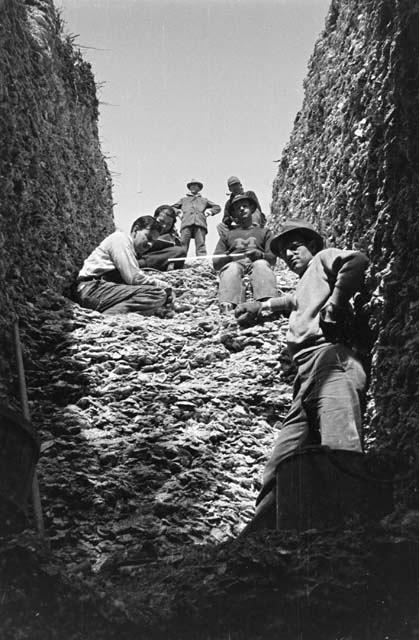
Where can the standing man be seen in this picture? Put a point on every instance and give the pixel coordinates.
(195, 210)
(236, 188)
(111, 280)
(330, 383)
(254, 258)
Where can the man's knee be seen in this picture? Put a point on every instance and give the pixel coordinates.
(232, 268)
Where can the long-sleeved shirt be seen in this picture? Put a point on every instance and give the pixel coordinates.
(241, 240)
(193, 208)
(333, 276)
(115, 253)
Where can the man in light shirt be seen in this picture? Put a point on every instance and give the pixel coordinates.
(111, 280)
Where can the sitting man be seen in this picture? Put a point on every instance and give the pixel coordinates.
(247, 249)
(168, 244)
(111, 281)
(236, 189)
(330, 383)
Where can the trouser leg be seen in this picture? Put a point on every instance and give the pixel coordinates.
(337, 398)
(185, 237)
(111, 298)
(230, 286)
(326, 409)
(199, 235)
(263, 280)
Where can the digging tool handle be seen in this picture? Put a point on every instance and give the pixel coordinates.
(214, 255)
(36, 496)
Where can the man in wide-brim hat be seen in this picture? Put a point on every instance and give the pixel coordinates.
(330, 382)
(245, 251)
(195, 209)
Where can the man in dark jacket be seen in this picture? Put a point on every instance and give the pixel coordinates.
(167, 245)
(248, 252)
(195, 209)
(330, 383)
(236, 189)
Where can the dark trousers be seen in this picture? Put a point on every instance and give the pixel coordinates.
(262, 279)
(160, 259)
(198, 234)
(111, 298)
(326, 409)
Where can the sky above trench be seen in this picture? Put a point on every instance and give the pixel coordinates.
(199, 89)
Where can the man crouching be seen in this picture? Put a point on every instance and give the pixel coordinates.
(330, 383)
(111, 280)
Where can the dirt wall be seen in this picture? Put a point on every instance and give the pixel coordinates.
(352, 168)
(55, 188)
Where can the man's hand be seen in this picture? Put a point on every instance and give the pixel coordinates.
(247, 313)
(254, 254)
(332, 321)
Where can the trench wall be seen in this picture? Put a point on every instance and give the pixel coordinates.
(352, 168)
(55, 188)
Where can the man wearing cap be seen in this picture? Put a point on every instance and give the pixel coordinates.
(111, 280)
(195, 209)
(330, 383)
(247, 249)
(236, 188)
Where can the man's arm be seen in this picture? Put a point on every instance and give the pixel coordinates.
(222, 247)
(250, 313)
(122, 254)
(212, 207)
(349, 269)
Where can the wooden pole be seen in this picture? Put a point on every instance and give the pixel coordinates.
(36, 496)
(214, 255)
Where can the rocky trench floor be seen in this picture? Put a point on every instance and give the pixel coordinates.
(154, 431)
(154, 434)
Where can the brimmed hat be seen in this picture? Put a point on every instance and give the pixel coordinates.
(303, 227)
(233, 180)
(244, 196)
(194, 181)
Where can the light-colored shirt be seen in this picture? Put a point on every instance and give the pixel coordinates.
(333, 275)
(115, 252)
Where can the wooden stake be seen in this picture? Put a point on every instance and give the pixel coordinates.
(36, 496)
(214, 255)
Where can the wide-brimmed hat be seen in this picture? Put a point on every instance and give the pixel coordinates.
(303, 227)
(244, 196)
(194, 181)
(233, 180)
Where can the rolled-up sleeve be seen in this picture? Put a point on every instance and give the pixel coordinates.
(122, 253)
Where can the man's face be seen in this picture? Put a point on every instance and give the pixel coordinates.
(242, 213)
(297, 252)
(142, 239)
(194, 188)
(166, 220)
(236, 188)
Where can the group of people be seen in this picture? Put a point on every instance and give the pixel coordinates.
(330, 383)
(122, 274)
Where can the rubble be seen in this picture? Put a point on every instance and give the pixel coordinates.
(154, 431)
